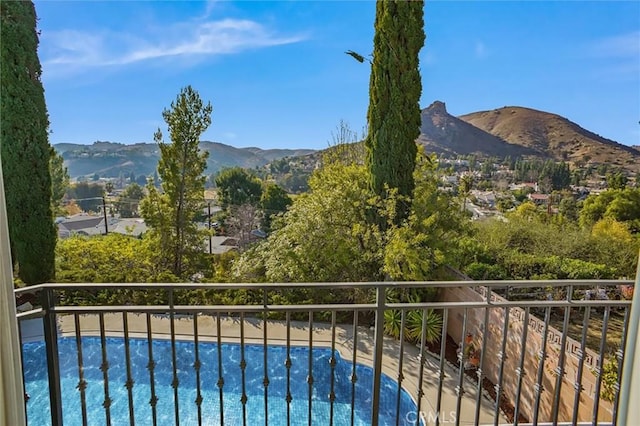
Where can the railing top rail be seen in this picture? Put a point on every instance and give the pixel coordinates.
(163, 309)
(323, 285)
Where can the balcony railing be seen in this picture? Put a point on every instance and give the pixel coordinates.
(551, 352)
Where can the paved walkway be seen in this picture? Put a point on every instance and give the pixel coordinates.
(299, 335)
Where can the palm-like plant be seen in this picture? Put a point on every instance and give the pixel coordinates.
(432, 325)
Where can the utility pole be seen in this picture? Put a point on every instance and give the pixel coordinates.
(104, 213)
(209, 216)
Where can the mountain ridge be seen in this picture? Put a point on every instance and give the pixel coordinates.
(508, 131)
(553, 136)
(110, 159)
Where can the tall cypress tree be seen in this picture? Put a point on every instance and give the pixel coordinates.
(25, 149)
(394, 94)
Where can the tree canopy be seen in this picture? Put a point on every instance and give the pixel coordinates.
(171, 214)
(622, 205)
(236, 186)
(326, 235)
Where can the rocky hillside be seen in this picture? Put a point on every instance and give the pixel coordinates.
(552, 136)
(444, 133)
(109, 159)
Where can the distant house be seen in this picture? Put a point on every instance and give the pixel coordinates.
(81, 224)
(531, 185)
(538, 199)
(221, 244)
(134, 227)
(485, 198)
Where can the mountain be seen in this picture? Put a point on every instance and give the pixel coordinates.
(444, 133)
(110, 159)
(553, 136)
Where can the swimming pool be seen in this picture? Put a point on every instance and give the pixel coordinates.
(38, 411)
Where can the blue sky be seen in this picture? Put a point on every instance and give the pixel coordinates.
(277, 77)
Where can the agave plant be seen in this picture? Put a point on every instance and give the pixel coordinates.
(433, 325)
(392, 323)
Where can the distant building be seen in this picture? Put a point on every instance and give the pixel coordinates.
(81, 224)
(133, 227)
(87, 225)
(538, 199)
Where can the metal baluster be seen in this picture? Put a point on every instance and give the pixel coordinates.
(196, 366)
(243, 367)
(400, 364)
(483, 350)
(127, 354)
(538, 388)
(24, 382)
(423, 340)
(310, 372)
(443, 349)
(174, 360)
(220, 382)
(378, 343)
(561, 358)
(354, 376)
(332, 364)
(501, 356)
(620, 357)
(603, 345)
(151, 366)
(50, 325)
(287, 364)
(104, 367)
(578, 384)
(265, 345)
(520, 371)
(82, 383)
(461, 360)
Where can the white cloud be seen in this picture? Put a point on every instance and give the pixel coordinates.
(71, 50)
(623, 45)
(618, 56)
(480, 50)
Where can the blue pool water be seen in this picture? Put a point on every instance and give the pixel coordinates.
(38, 413)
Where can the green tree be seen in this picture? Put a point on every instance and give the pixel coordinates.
(324, 236)
(127, 203)
(394, 95)
(429, 237)
(274, 201)
(171, 215)
(620, 205)
(568, 208)
(616, 180)
(87, 195)
(25, 148)
(466, 183)
(59, 181)
(109, 258)
(236, 186)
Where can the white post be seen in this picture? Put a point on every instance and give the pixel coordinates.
(11, 387)
(628, 407)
